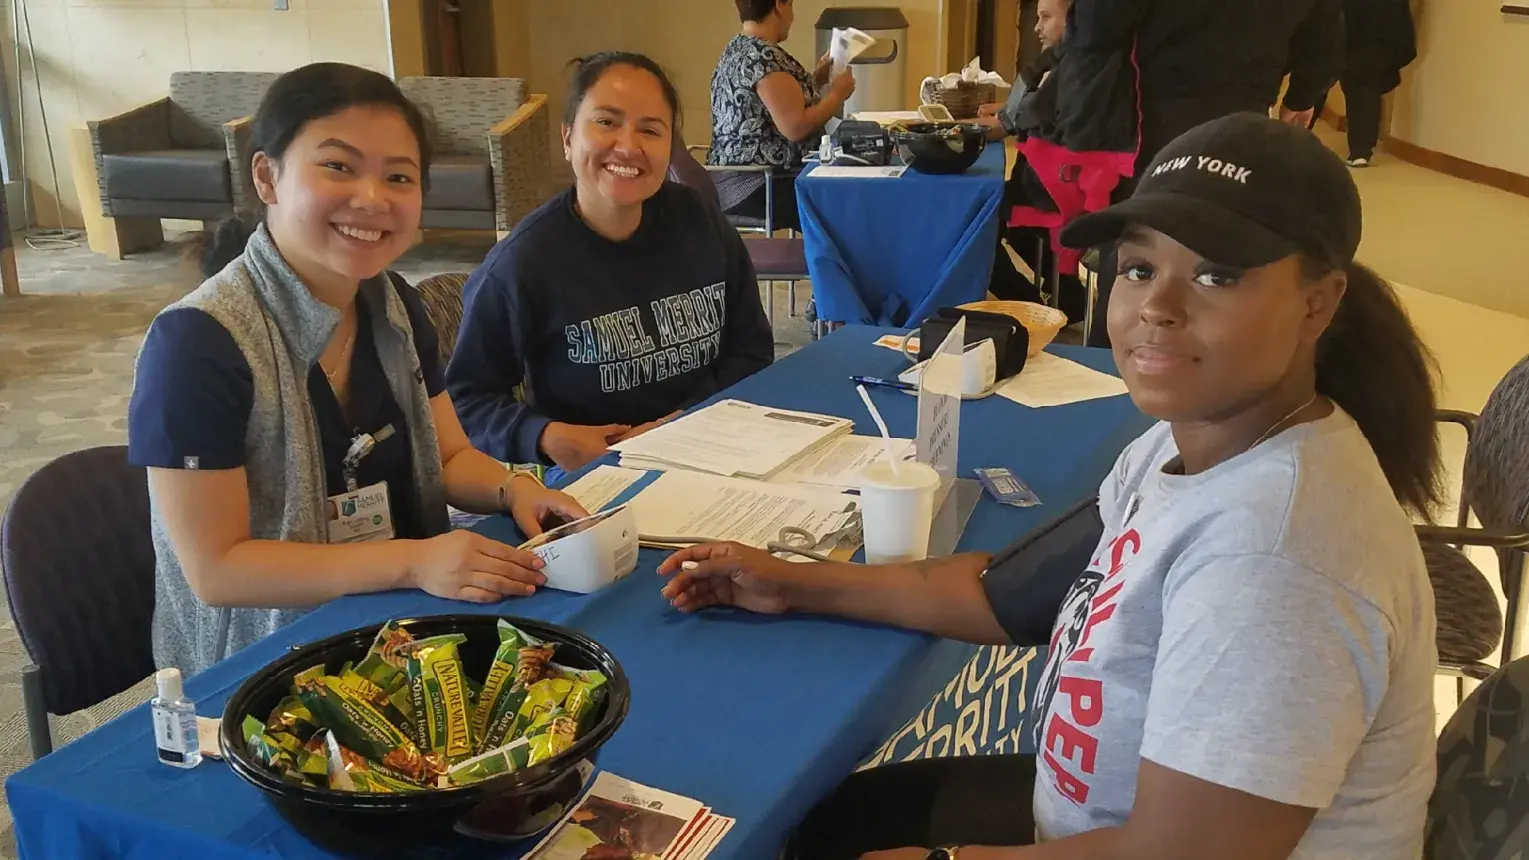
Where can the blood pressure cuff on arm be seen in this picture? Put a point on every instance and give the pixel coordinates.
(1026, 583)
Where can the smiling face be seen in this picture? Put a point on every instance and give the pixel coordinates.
(619, 141)
(344, 200)
(1196, 341)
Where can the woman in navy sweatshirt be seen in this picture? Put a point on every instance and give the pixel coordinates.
(615, 305)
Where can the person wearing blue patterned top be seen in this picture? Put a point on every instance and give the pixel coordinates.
(767, 109)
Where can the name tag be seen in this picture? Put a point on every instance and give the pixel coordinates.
(360, 516)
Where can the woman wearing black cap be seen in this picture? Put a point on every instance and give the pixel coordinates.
(1242, 647)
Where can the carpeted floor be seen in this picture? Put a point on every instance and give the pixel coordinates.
(67, 347)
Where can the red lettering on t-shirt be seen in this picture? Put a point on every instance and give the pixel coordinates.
(1118, 557)
(1071, 743)
(1071, 787)
(1087, 695)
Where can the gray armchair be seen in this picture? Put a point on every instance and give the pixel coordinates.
(1495, 487)
(491, 142)
(184, 156)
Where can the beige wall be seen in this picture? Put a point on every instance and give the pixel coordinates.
(1466, 95)
(99, 57)
(685, 36)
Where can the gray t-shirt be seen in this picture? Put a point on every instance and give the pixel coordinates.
(1266, 625)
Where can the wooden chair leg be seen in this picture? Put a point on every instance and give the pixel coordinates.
(114, 237)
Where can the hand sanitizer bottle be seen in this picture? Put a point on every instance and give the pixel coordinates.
(174, 722)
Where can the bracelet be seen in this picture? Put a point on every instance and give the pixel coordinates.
(529, 471)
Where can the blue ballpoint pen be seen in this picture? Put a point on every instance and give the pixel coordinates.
(878, 382)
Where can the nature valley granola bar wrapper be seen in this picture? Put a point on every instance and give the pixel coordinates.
(347, 770)
(540, 700)
(292, 717)
(520, 661)
(438, 699)
(506, 759)
(357, 724)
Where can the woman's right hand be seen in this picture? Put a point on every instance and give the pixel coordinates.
(989, 109)
(573, 446)
(729, 574)
(462, 565)
(843, 86)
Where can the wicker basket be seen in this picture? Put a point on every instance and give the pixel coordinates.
(1040, 321)
(964, 100)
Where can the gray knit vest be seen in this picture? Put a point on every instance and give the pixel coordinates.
(282, 330)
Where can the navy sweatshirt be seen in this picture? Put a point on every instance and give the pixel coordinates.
(592, 331)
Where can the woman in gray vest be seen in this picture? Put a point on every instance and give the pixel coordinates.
(291, 410)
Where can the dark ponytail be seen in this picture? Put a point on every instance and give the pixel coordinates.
(295, 99)
(1373, 364)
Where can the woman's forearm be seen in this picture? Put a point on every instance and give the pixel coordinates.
(940, 596)
(474, 482)
(815, 117)
(286, 574)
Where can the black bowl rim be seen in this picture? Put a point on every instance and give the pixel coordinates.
(967, 129)
(618, 702)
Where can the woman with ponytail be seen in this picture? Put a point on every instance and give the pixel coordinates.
(1240, 627)
(291, 410)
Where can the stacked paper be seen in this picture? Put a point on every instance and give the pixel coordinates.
(733, 439)
(621, 818)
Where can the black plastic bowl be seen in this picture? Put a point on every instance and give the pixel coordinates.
(940, 148)
(434, 822)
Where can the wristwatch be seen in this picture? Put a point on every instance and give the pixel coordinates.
(949, 852)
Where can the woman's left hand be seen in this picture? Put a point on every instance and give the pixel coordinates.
(531, 504)
(821, 70)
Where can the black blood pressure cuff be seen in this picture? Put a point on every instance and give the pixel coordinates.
(1026, 583)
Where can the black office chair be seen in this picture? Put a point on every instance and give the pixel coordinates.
(1495, 487)
(79, 572)
(1480, 803)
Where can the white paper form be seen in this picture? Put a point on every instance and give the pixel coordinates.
(845, 44)
(1050, 380)
(696, 506)
(732, 437)
(839, 463)
(829, 171)
(602, 486)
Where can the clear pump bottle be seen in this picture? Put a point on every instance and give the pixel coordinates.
(175, 732)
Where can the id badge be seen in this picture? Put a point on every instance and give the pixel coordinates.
(360, 516)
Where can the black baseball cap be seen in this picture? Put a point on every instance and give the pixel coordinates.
(1243, 190)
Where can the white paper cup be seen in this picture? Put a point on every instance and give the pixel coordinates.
(896, 510)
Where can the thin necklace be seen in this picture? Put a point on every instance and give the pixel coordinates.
(340, 362)
(1270, 432)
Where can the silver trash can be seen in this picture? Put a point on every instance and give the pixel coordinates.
(881, 73)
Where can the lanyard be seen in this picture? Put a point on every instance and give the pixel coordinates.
(359, 448)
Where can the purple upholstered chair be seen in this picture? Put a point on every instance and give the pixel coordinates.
(79, 572)
(774, 259)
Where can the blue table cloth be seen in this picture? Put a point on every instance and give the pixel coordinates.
(758, 717)
(893, 251)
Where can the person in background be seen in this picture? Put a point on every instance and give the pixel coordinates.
(1241, 628)
(1381, 41)
(290, 410)
(766, 109)
(1024, 113)
(616, 304)
(1199, 60)
(1002, 120)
